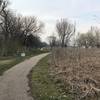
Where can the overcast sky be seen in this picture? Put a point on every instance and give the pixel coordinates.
(84, 12)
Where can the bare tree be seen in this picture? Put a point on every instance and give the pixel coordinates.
(89, 39)
(52, 41)
(31, 25)
(65, 31)
(17, 32)
(3, 5)
(82, 40)
(97, 37)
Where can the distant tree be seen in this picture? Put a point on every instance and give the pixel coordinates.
(97, 37)
(65, 31)
(52, 41)
(33, 41)
(44, 44)
(82, 40)
(90, 39)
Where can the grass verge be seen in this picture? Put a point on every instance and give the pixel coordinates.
(42, 85)
(12, 61)
(8, 62)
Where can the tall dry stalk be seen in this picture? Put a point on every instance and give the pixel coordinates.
(79, 70)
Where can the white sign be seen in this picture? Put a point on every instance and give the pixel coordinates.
(22, 54)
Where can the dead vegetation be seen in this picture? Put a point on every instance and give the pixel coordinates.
(79, 71)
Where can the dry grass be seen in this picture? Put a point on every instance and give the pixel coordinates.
(79, 70)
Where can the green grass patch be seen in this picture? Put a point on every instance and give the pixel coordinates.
(9, 61)
(6, 61)
(42, 85)
(7, 64)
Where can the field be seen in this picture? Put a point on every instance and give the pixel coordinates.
(77, 71)
(67, 74)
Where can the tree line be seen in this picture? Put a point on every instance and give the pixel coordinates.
(67, 36)
(89, 39)
(18, 33)
(21, 33)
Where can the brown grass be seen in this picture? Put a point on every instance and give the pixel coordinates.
(79, 70)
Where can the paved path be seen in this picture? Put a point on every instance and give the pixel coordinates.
(14, 82)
